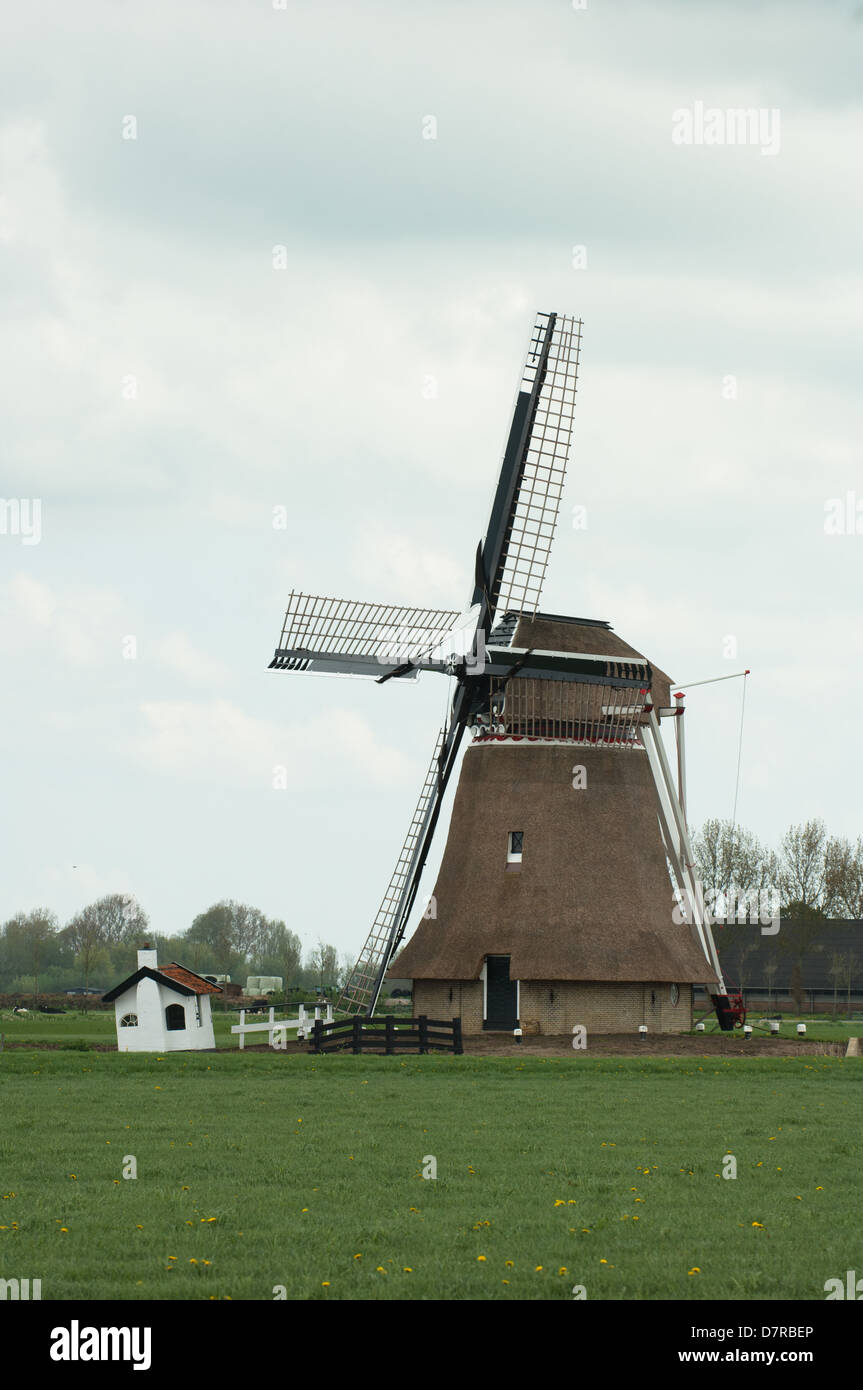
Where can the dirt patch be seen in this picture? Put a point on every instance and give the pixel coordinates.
(557, 1045)
(656, 1045)
(621, 1045)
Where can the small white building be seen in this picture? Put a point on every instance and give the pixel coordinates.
(162, 1008)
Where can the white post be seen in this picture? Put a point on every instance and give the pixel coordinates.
(329, 1013)
(317, 1012)
(681, 754)
(270, 1032)
(679, 841)
(242, 1034)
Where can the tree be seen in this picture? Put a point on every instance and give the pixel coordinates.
(802, 925)
(279, 953)
(118, 917)
(733, 866)
(811, 867)
(846, 872)
(837, 972)
(770, 970)
(34, 934)
(324, 963)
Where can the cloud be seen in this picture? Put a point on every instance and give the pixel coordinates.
(217, 742)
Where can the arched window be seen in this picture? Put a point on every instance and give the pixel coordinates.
(129, 1021)
(175, 1018)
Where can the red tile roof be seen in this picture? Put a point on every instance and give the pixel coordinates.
(187, 978)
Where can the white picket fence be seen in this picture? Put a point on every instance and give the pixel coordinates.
(302, 1023)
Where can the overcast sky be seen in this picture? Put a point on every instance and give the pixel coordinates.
(165, 386)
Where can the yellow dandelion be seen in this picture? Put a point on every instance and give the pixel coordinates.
(325, 1284)
(819, 1189)
(480, 1259)
(504, 1281)
(603, 1262)
(407, 1270)
(758, 1223)
(207, 1262)
(562, 1269)
(64, 1230)
(139, 1228)
(694, 1270)
(560, 1202)
(509, 1263)
(193, 1262)
(538, 1269)
(380, 1270)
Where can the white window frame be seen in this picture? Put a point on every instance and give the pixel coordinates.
(514, 856)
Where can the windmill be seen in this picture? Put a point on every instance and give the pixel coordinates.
(534, 689)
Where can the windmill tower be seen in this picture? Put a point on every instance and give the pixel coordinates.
(553, 906)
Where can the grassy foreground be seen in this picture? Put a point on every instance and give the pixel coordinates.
(260, 1171)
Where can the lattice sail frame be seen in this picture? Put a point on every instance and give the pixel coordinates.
(361, 984)
(540, 487)
(346, 633)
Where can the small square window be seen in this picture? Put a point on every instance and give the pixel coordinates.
(514, 847)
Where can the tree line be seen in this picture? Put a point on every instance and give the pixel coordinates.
(98, 947)
(809, 875)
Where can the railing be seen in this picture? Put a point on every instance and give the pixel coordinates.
(303, 1023)
(387, 1036)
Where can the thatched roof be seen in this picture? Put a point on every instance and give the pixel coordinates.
(553, 634)
(592, 899)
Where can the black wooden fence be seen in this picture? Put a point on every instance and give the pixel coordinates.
(387, 1036)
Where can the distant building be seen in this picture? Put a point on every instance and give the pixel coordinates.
(162, 1008)
(819, 961)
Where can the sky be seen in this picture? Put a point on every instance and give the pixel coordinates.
(262, 260)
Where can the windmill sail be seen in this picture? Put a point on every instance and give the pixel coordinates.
(362, 987)
(341, 637)
(514, 555)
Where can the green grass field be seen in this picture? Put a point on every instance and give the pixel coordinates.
(256, 1171)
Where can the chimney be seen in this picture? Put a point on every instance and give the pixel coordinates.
(146, 957)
